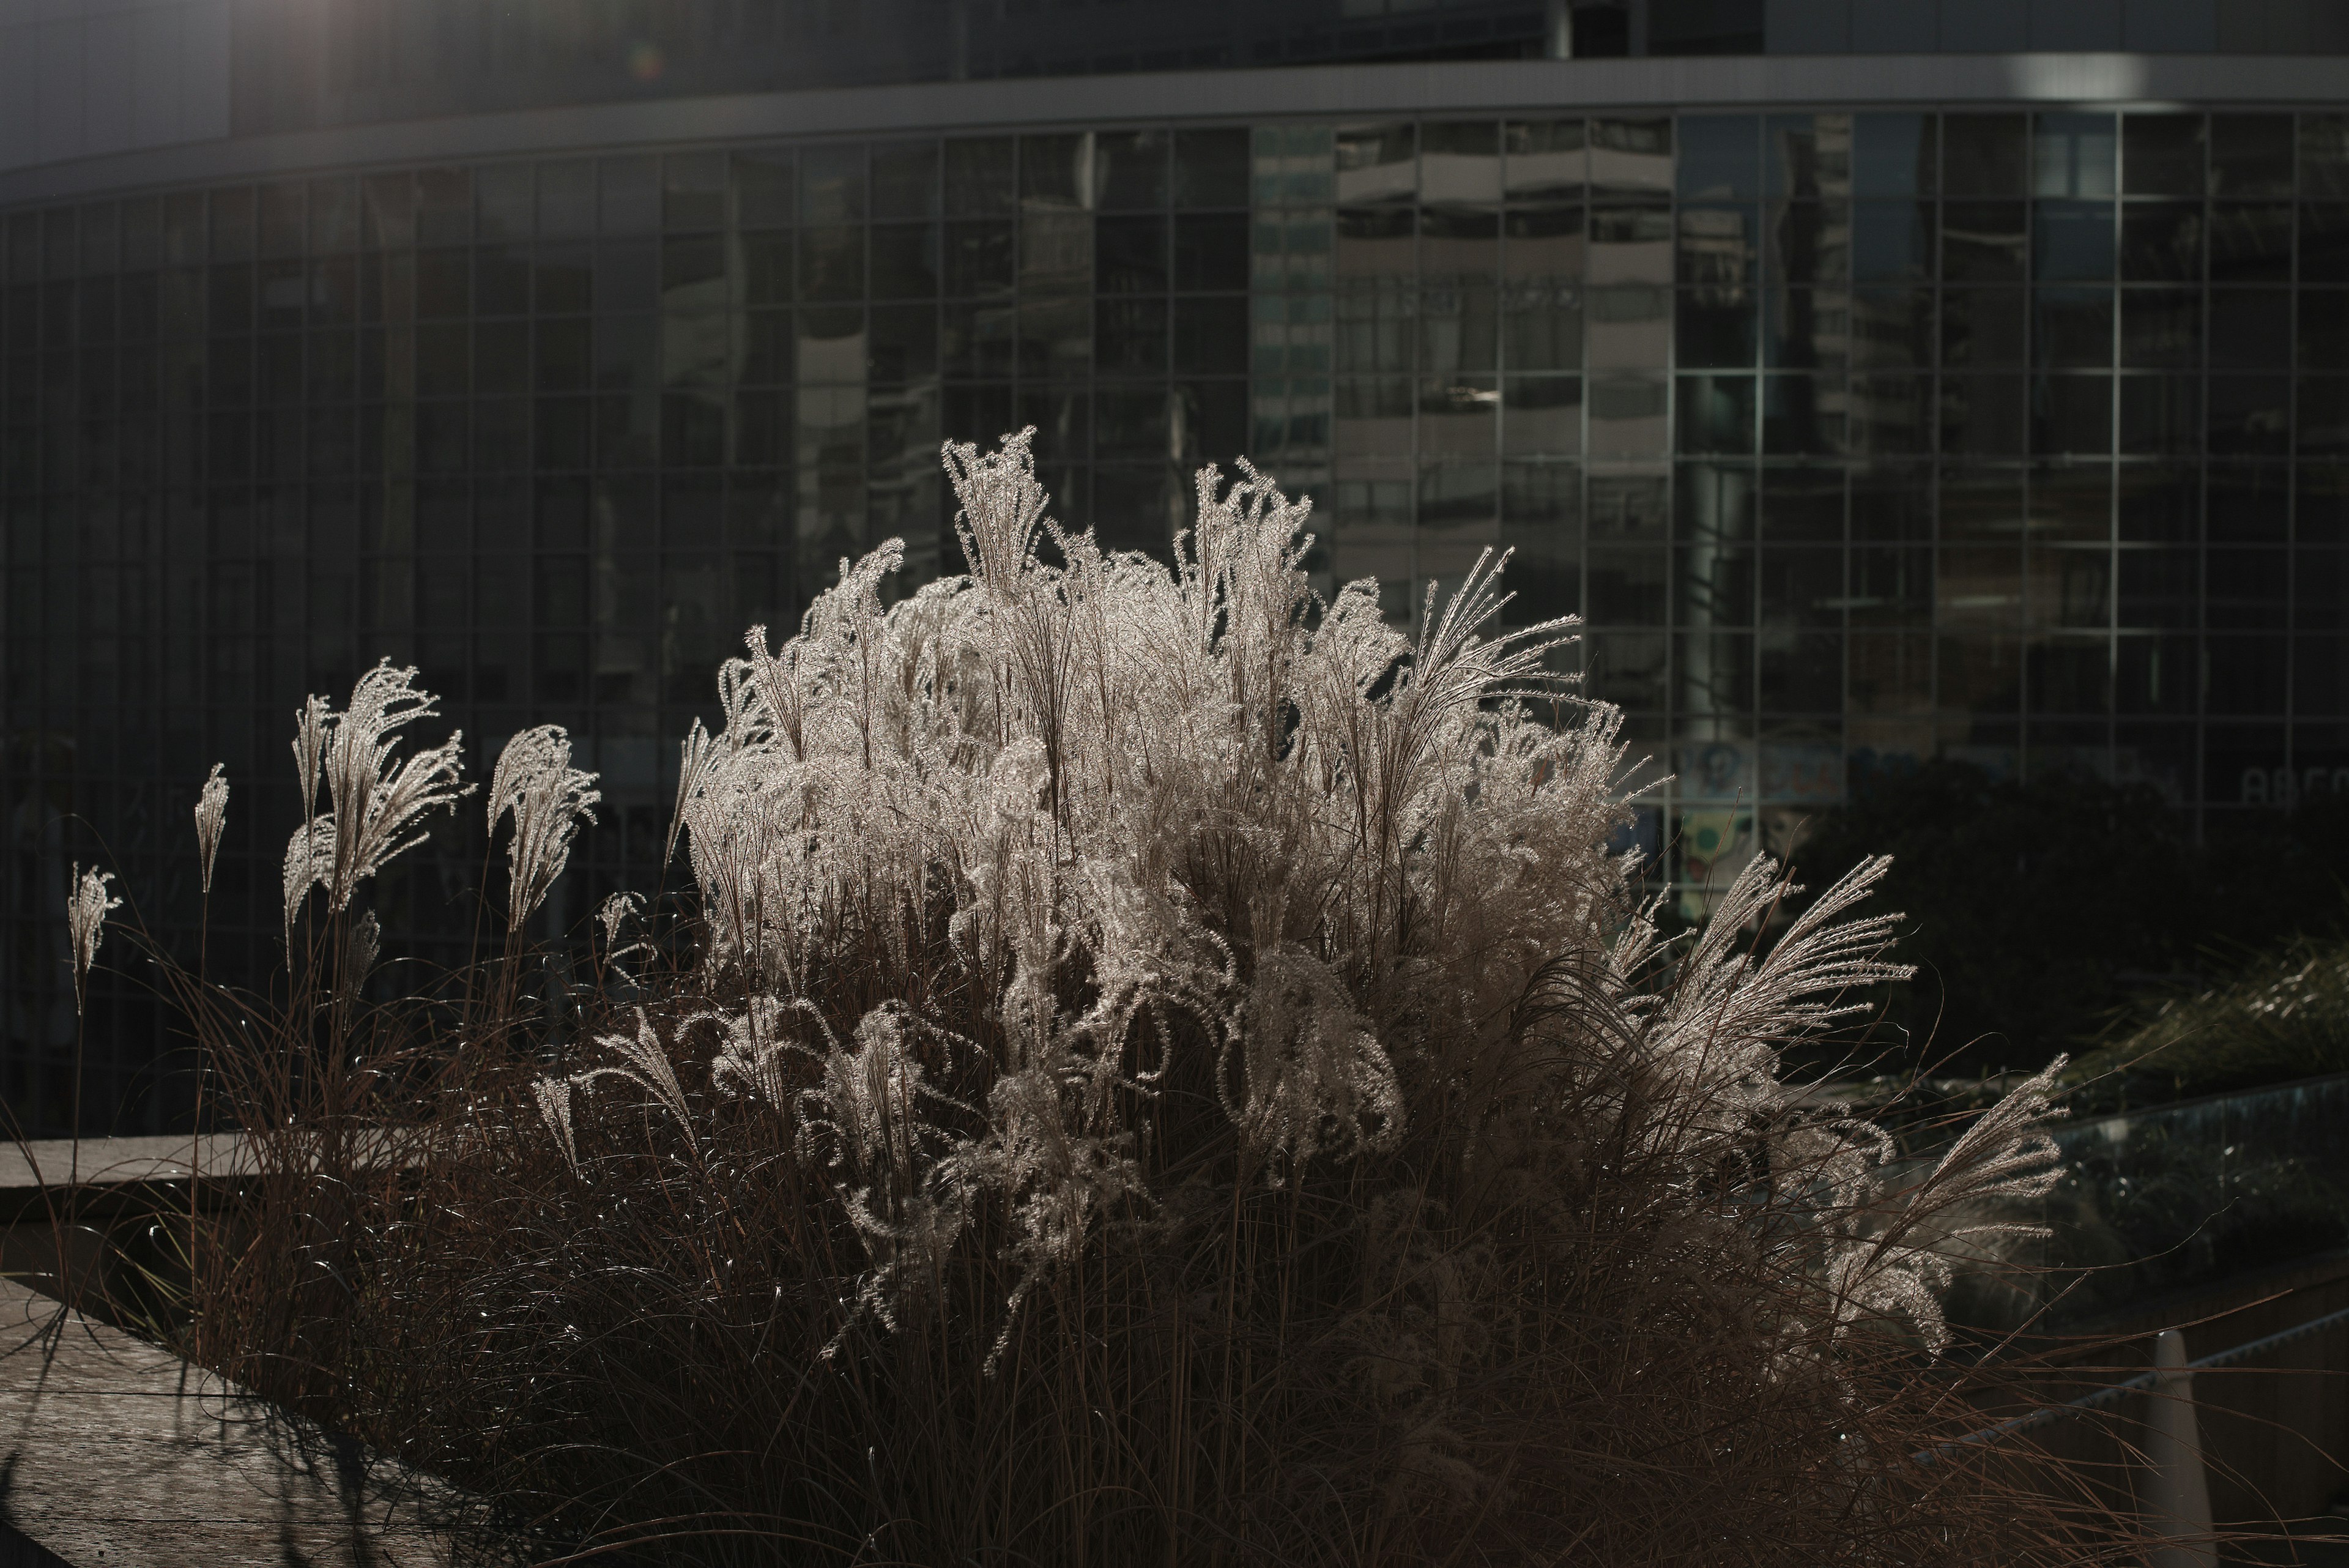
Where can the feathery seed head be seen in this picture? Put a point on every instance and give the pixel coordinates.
(549, 799)
(212, 818)
(87, 907)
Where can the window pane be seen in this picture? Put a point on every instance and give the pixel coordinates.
(1983, 326)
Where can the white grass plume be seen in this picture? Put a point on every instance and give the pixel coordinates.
(1349, 890)
(212, 820)
(549, 799)
(372, 803)
(87, 907)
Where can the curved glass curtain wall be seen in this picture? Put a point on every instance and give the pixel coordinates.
(1856, 437)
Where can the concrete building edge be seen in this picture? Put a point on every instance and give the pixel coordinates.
(1662, 85)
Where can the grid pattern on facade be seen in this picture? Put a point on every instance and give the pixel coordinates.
(1856, 438)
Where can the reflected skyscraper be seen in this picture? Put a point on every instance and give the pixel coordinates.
(1872, 395)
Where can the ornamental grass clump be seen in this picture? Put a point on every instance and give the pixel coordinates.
(1162, 1067)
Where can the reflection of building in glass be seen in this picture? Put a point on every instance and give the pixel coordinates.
(2007, 426)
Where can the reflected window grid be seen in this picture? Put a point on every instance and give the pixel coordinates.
(685, 370)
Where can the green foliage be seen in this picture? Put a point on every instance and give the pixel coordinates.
(2040, 913)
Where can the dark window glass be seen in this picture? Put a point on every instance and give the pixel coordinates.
(1130, 171)
(1891, 240)
(1130, 255)
(1891, 506)
(1627, 585)
(2161, 154)
(2161, 329)
(1892, 328)
(2161, 240)
(2160, 414)
(1130, 424)
(2250, 243)
(2319, 591)
(628, 196)
(1211, 337)
(1802, 416)
(1983, 415)
(502, 281)
(444, 361)
(762, 189)
(1802, 505)
(1716, 329)
(2160, 505)
(563, 279)
(904, 181)
(2245, 588)
(977, 340)
(1715, 414)
(1984, 154)
(566, 199)
(1893, 155)
(1891, 588)
(2325, 329)
(2325, 154)
(1211, 252)
(283, 285)
(2074, 329)
(1211, 168)
(2322, 511)
(1131, 336)
(1983, 326)
(2324, 243)
(1056, 336)
(831, 185)
(1544, 158)
(2072, 502)
(978, 178)
(1803, 589)
(1806, 156)
(831, 264)
(1541, 327)
(1719, 245)
(1541, 416)
(2072, 415)
(767, 267)
(2250, 414)
(1719, 156)
(627, 277)
(2247, 504)
(2251, 330)
(1808, 241)
(2160, 588)
(1890, 416)
(565, 355)
(905, 344)
(2251, 154)
(502, 356)
(694, 191)
(2073, 241)
(905, 260)
(1458, 495)
(2324, 416)
(2073, 155)
(979, 259)
(1805, 330)
(1545, 243)
(229, 297)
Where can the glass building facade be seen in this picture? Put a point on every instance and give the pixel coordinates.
(1858, 434)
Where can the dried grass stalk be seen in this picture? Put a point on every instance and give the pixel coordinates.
(1168, 1069)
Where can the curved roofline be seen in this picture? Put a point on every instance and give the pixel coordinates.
(1495, 87)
